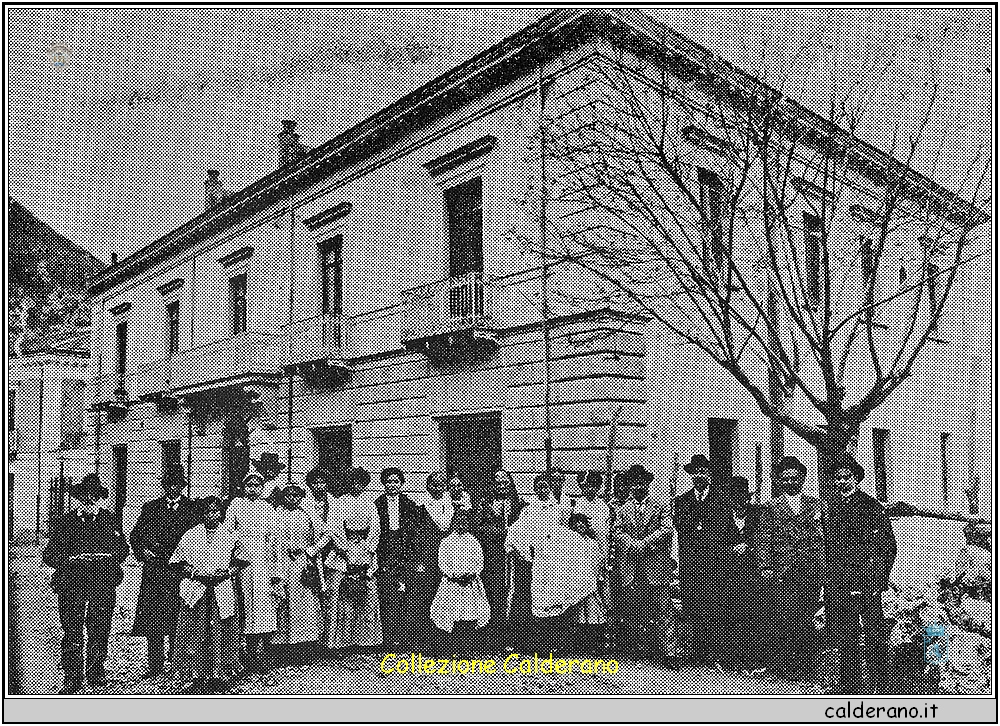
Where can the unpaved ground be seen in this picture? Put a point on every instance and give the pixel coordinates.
(36, 635)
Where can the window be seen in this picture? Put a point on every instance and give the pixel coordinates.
(121, 347)
(170, 455)
(880, 459)
(332, 275)
(945, 440)
(173, 327)
(119, 464)
(71, 414)
(813, 239)
(465, 227)
(711, 199)
(238, 302)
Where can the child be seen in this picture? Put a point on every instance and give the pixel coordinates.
(357, 621)
(591, 612)
(253, 520)
(208, 629)
(460, 606)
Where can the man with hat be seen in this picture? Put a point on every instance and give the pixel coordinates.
(161, 524)
(706, 536)
(86, 550)
(643, 537)
(860, 551)
(789, 548)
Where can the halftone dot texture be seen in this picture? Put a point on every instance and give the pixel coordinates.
(116, 115)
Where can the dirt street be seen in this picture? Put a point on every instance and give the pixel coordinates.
(36, 636)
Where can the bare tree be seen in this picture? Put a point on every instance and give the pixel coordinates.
(792, 254)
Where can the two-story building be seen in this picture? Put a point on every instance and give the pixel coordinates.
(49, 430)
(372, 302)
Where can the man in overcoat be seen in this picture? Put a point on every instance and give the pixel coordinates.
(706, 536)
(643, 535)
(161, 524)
(745, 590)
(86, 549)
(789, 545)
(861, 551)
(398, 518)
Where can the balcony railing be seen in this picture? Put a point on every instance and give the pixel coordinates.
(248, 355)
(465, 303)
(318, 338)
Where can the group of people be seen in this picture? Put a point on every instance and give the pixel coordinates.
(329, 568)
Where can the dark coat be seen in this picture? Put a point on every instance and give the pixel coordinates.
(860, 546)
(159, 529)
(396, 553)
(66, 541)
(705, 538)
(491, 531)
(792, 546)
(746, 586)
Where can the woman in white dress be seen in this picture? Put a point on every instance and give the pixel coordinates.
(254, 522)
(460, 606)
(298, 539)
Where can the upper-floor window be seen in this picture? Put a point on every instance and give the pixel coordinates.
(812, 237)
(173, 327)
(332, 275)
(465, 227)
(712, 200)
(238, 303)
(121, 347)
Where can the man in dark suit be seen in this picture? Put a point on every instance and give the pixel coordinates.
(161, 524)
(398, 520)
(706, 536)
(643, 535)
(745, 605)
(86, 550)
(789, 548)
(860, 550)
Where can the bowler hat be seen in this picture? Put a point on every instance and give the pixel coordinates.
(846, 462)
(637, 473)
(698, 461)
(293, 488)
(89, 484)
(790, 462)
(269, 465)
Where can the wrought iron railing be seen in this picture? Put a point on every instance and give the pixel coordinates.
(450, 305)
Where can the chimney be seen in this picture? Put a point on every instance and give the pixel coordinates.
(289, 146)
(214, 194)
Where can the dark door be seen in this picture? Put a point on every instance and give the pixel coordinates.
(465, 227)
(235, 454)
(721, 449)
(472, 449)
(119, 459)
(333, 446)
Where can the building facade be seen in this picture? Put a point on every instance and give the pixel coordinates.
(373, 302)
(49, 430)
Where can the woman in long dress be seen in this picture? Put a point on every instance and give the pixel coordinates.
(297, 541)
(254, 522)
(358, 623)
(460, 606)
(208, 629)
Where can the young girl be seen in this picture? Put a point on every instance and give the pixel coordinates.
(208, 629)
(460, 606)
(590, 613)
(357, 624)
(253, 521)
(297, 540)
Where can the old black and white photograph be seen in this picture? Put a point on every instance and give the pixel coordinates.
(501, 351)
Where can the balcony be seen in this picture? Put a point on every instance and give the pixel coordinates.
(453, 313)
(316, 348)
(248, 358)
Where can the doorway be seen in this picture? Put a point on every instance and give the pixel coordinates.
(471, 448)
(333, 453)
(721, 452)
